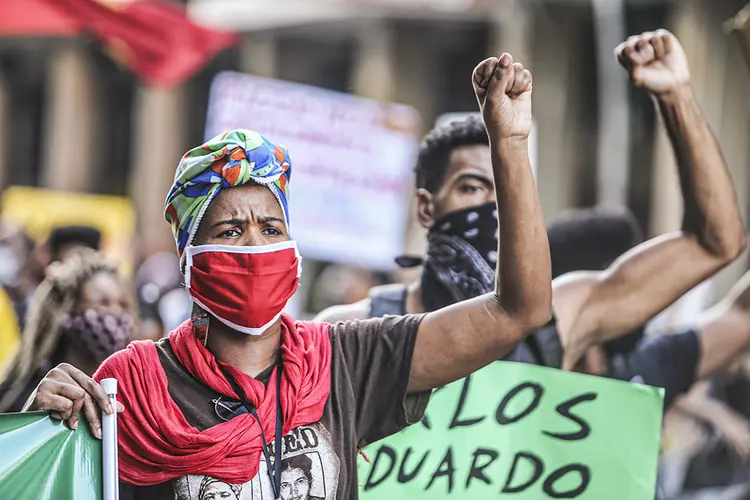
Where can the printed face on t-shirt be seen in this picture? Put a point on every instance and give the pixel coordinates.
(219, 491)
(294, 485)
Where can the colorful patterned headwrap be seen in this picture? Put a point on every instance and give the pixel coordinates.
(228, 160)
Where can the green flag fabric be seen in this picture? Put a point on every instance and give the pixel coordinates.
(42, 459)
(521, 432)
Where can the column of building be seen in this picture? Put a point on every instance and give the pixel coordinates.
(72, 119)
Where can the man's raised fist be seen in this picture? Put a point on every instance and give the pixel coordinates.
(655, 61)
(503, 90)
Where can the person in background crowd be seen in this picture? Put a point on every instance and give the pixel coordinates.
(20, 273)
(722, 402)
(341, 284)
(455, 199)
(587, 239)
(63, 240)
(80, 314)
(716, 467)
(590, 239)
(163, 301)
(207, 400)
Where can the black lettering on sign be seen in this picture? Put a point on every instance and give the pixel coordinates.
(564, 410)
(310, 437)
(455, 422)
(405, 477)
(390, 454)
(538, 471)
(502, 419)
(426, 422)
(477, 470)
(582, 471)
(445, 469)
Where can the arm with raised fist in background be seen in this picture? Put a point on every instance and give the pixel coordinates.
(459, 339)
(593, 307)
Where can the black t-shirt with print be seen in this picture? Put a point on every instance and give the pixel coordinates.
(370, 366)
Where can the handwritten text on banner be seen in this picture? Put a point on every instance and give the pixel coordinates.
(523, 432)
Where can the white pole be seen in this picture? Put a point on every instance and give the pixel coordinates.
(109, 443)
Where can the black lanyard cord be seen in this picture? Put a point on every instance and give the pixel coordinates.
(274, 470)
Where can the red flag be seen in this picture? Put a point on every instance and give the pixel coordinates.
(35, 18)
(153, 38)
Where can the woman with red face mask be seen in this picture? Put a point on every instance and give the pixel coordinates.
(241, 388)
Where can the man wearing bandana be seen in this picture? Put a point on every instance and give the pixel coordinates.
(455, 201)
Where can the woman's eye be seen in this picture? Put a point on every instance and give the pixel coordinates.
(230, 233)
(271, 231)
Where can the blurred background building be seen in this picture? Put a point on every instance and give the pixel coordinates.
(73, 118)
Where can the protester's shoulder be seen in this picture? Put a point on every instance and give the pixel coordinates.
(364, 326)
(572, 290)
(373, 326)
(138, 351)
(346, 312)
(576, 280)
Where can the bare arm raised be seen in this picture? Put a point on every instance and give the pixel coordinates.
(459, 339)
(596, 307)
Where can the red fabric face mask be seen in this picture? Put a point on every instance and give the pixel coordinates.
(246, 288)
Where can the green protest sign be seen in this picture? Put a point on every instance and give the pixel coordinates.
(523, 432)
(42, 459)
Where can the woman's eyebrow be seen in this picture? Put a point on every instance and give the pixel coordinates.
(233, 222)
(265, 220)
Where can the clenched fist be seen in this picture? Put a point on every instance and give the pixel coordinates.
(503, 89)
(655, 61)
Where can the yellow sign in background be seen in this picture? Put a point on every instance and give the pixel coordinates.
(40, 210)
(10, 334)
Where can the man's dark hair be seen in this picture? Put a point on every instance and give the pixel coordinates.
(302, 462)
(590, 239)
(437, 146)
(85, 236)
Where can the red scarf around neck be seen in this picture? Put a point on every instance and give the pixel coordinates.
(157, 444)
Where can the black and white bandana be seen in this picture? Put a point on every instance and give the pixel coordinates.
(461, 256)
(460, 264)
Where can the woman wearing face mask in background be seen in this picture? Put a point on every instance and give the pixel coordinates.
(80, 314)
(21, 269)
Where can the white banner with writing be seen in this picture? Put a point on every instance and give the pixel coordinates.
(352, 161)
